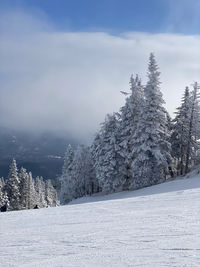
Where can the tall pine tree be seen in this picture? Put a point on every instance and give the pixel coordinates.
(151, 150)
(129, 117)
(194, 128)
(109, 165)
(179, 137)
(12, 187)
(66, 179)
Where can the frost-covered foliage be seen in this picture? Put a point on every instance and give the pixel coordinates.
(83, 172)
(24, 188)
(12, 187)
(67, 182)
(186, 131)
(78, 175)
(3, 194)
(180, 132)
(40, 192)
(21, 191)
(109, 165)
(194, 129)
(31, 191)
(151, 150)
(51, 194)
(27, 190)
(129, 117)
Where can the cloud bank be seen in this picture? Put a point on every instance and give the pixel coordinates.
(69, 81)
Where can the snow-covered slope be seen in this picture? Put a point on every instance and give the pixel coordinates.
(156, 226)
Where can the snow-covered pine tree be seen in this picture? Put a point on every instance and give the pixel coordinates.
(151, 150)
(1, 192)
(83, 172)
(127, 126)
(109, 167)
(179, 137)
(96, 148)
(24, 188)
(194, 128)
(12, 187)
(40, 192)
(51, 194)
(92, 182)
(31, 192)
(67, 183)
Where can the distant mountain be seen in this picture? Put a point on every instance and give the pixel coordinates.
(40, 154)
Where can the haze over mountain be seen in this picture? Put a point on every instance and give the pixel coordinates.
(41, 154)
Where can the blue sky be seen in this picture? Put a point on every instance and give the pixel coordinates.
(114, 16)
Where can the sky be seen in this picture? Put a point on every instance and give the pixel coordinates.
(64, 63)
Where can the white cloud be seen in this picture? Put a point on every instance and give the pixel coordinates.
(69, 80)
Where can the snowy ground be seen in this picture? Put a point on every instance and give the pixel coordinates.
(157, 226)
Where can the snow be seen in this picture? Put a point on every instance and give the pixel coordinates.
(155, 226)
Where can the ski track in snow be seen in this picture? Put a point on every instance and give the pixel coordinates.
(156, 226)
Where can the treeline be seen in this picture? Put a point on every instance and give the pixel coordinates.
(21, 191)
(139, 145)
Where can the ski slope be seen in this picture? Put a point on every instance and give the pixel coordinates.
(156, 226)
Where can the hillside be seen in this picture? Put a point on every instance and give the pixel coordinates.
(156, 226)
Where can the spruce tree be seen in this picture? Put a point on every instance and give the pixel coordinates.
(66, 180)
(129, 117)
(109, 166)
(151, 150)
(12, 187)
(83, 172)
(1, 192)
(50, 194)
(31, 192)
(40, 190)
(24, 188)
(179, 137)
(194, 129)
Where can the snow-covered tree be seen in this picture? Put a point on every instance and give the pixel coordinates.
(186, 131)
(51, 194)
(24, 188)
(3, 195)
(179, 137)
(109, 166)
(129, 117)
(83, 173)
(1, 192)
(22, 191)
(194, 128)
(40, 190)
(151, 150)
(66, 179)
(31, 192)
(12, 187)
